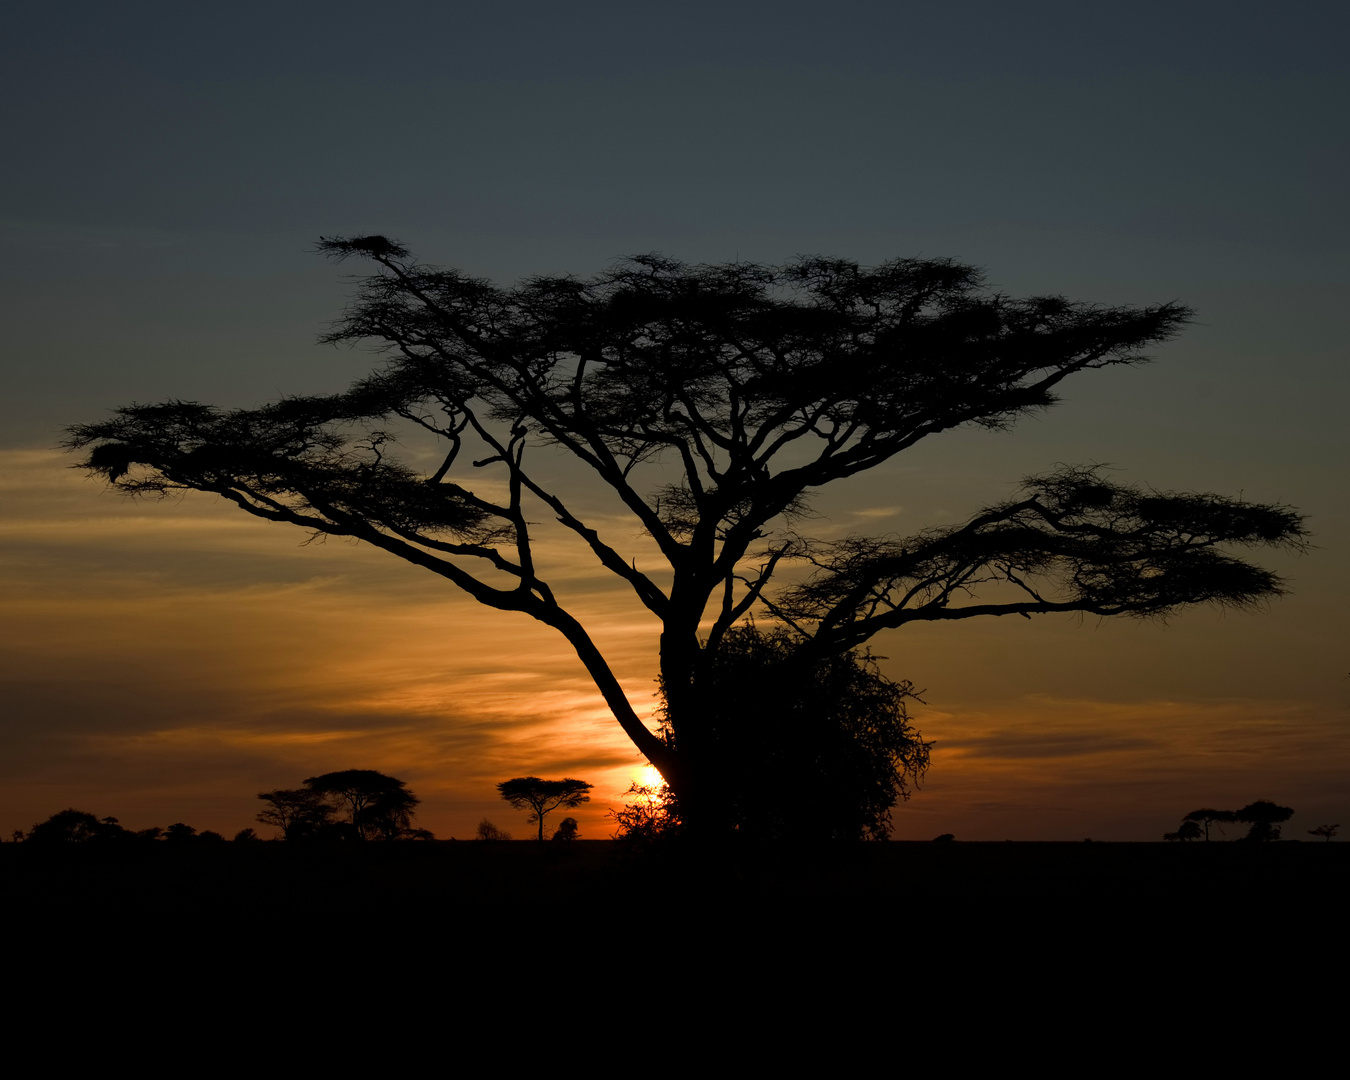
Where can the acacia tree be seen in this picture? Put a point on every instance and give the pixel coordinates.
(711, 402)
(544, 796)
(377, 806)
(300, 813)
(1265, 819)
(1207, 817)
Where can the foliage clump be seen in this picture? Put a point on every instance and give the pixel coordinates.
(829, 728)
(652, 814)
(71, 826)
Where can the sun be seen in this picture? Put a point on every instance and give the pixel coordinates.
(648, 777)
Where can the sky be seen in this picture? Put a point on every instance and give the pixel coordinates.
(170, 168)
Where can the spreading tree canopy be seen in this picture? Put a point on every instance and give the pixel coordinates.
(1206, 817)
(712, 402)
(377, 807)
(1265, 819)
(300, 813)
(541, 797)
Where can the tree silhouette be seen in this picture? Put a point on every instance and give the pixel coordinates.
(1326, 832)
(378, 807)
(1264, 818)
(712, 402)
(1208, 817)
(567, 831)
(300, 813)
(488, 831)
(73, 826)
(544, 796)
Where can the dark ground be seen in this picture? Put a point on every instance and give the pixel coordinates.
(886, 935)
(958, 949)
(1080, 887)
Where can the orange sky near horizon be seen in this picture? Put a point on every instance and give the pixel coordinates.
(167, 660)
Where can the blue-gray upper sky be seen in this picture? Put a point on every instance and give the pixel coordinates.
(170, 167)
(621, 120)
(1125, 151)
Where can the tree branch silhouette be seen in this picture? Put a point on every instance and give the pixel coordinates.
(712, 402)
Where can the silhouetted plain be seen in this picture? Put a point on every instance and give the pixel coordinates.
(712, 401)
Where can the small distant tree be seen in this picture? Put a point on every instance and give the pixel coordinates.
(1209, 817)
(179, 833)
(1326, 832)
(300, 813)
(246, 836)
(489, 831)
(1264, 818)
(567, 831)
(1190, 830)
(544, 796)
